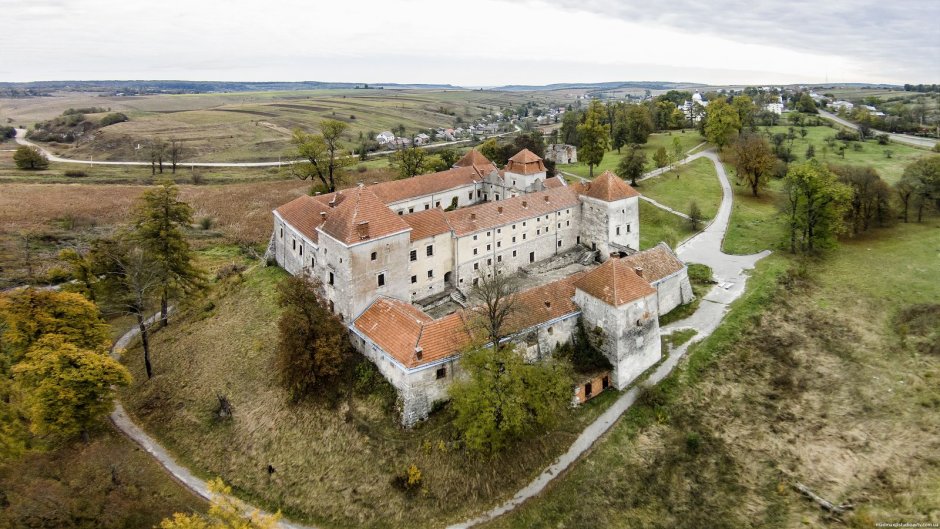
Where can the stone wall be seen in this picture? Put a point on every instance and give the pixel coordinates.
(673, 291)
(440, 264)
(605, 222)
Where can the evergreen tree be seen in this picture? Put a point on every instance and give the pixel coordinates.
(159, 221)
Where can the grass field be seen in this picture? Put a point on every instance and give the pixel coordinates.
(657, 225)
(334, 461)
(756, 223)
(871, 153)
(697, 181)
(811, 378)
(250, 126)
(689, 138)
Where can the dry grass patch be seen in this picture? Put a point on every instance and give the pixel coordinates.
(334, 459)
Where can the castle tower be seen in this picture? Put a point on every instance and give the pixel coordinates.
(524, 170)
(610, 221)
(364, 250)
(616, 299)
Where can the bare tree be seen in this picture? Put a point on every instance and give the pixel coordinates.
(175, 152)
(131, 284)
(157, 152)
(494, 291)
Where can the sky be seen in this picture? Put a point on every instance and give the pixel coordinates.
(473, 42)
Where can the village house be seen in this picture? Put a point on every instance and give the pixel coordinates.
(385, 252)
(385, 137)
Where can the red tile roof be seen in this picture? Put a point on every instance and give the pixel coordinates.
(427, 223)
(657, 262)
(426, 184)
(615, 283)
(544, 303)
(553, 182)
(304, 214)
(474, 158)
(525, 162)
(400, 329)
(360, 215)
(492, 214)
(607, 187)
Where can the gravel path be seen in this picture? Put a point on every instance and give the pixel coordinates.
(730, 273)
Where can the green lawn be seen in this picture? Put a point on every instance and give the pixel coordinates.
(689, 138)
(871, 153)
(697, 181)
(756, 223)
(657, 225)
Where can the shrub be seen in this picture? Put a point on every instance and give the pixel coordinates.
(7, 133)
(845, 135)
(111, 119)
(30, 158)
(75, 173)
(410, 480)
(197, 178)
(206, 223)
(883, 139)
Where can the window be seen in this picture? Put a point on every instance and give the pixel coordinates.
(514, 240)
(401, 212)
(282, 233)
(551, 330)
(430, 274)
(476, 266)
(488, 246)
(476, 281)
(470, 195)
(427, 206)
(489, 262)
(474, 237)
(559, 225)
(497, 196)
(381, 279)
(618, 230)
(437, 204)
(332, 307)
(487, 234)
(523, 236)
(429, 250)
(499, 258)
(499, 230)
(531, 257)
(441, 373)
(301, 250)
(414, 279)
(294, 242)
(499, 244)
(523, 224)
(628, 228)
(331, 278)
(374, 256)
(474, 251)
(313, 262)
(513, 253)
(559, 243)
(414, 255)
(513, 226)
(538, 231)
(567, 223)
(411, 210)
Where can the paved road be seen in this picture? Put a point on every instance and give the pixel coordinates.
(926, 143)
(21, 139)
(730, 272)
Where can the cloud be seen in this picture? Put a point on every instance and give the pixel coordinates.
(897, 40)
(470, 42)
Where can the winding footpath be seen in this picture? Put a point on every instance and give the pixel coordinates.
(730, 273)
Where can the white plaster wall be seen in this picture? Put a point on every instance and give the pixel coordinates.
(466, 196)
(440, 264)
(673, 291)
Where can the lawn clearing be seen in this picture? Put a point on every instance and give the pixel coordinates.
(697, 181)
(756, 222)
(657, 225)
(689, 138)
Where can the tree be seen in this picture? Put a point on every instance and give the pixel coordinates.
(721, 123)
(870, 196)
(159, 220)
(746, 110)
(409, 161)
(661, 157)
(806, 104)
(632, 164)
(695, 216)
(905, 188)
(312, 343)
(29, 314)
(131, 283)
(448, 156)
(503, 399)
(157, 150)
(81, 268)
(30, 158)
(175, 151)
(325, 157)
(816, 203)
(225, 512)
(753, 160)
(594, 136)
(569, 127)
(810, 151)
(639, 124)
(68, 388)
(619, 134)
(494, 292)
(923, 176)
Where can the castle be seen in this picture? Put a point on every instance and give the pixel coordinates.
(389, 252)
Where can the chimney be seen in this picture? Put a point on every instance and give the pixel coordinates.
(323, 215)
(525, 204)
(374, 183)
(546, 198)
(419, 353)
(333, 202)
(317, 193)
(473, 216)
(548, 304)
(500, 210)
(363, 229)
(639, 271)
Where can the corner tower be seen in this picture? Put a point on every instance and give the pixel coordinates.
(610, 215)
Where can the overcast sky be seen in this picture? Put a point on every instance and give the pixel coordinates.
(473, 42)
